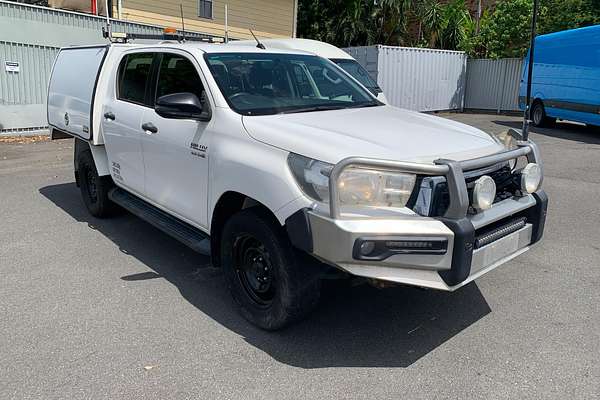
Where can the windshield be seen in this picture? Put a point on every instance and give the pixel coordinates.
(262, 84)
(354, 69)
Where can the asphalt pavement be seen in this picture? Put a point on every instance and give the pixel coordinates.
(99, 309)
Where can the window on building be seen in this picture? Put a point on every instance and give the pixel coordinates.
(134, 73)
(205, 9)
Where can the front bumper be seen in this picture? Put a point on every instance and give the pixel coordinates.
(472, 245)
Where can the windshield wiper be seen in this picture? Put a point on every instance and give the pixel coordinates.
(314, 108)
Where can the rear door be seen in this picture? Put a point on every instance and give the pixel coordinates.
(176, 150)
(72, 89)
(121, 120)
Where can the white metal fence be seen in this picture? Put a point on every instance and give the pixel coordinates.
(415, 78)
(493, 84)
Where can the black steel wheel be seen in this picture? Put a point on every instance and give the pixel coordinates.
(254, 270)
(94, 189)
(273, 284)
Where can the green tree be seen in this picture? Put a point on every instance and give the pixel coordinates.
(560, 15)
(506, 32)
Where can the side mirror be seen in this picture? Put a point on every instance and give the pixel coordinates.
(183, 106)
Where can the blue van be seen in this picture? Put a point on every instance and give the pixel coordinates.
(566, 77)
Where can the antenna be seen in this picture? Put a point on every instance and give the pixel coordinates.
(108, 30)
(182, 23)
(258, 43)
(226, 26)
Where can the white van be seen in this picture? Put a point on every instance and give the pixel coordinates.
(325, 50)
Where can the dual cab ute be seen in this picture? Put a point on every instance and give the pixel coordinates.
(281, 166)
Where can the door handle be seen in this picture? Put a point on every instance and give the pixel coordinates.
(109, 115)
(149, 127)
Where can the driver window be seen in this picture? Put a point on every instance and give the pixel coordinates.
(177, 74)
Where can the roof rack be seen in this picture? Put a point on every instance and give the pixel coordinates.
(168, 34)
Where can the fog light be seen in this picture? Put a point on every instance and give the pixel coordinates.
(531, 178)
(484, 193)
(367, 248)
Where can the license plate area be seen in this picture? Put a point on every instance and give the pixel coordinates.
(501, 248)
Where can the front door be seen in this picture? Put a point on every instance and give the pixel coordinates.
(175, 150)
(121, 120)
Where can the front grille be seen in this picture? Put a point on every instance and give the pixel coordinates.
(434, 198)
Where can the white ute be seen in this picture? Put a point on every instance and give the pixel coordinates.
(284, 169)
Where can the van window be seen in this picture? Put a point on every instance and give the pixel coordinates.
(134, 73)
(177, 74)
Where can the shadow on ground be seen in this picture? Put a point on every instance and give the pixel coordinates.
(353, 327)
(561, 130)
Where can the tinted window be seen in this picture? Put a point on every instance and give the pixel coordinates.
(263, 83)
(134, 73)
(177, 74)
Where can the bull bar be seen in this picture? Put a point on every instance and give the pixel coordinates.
(452, 170)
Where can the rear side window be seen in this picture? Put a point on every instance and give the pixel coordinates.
(177, 74)
(134, 73)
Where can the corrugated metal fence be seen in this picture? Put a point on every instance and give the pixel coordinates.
(493, 84)
(30, 36)
(23, 93)
(416, 78)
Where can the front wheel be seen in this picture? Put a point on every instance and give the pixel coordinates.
(273, 284)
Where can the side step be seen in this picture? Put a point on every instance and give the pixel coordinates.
(184, 232)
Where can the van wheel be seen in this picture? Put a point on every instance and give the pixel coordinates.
(273, 284)
(539, 117)
(94, 188)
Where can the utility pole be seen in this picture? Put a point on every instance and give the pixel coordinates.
(527, 113)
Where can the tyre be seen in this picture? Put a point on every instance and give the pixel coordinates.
(539, 117)
(273, 284)
(94, 188)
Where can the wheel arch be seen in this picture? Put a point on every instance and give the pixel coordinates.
(98, 154)
(226, 206)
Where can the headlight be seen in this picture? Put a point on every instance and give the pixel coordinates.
(508, 139)
(367, 187)
(531, 178)
(312, 176)
(356, 186)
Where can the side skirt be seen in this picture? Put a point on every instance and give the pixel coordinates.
(182, 231)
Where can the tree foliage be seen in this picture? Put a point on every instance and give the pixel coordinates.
(445, 24)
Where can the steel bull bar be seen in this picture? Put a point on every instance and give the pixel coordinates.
(455, 217)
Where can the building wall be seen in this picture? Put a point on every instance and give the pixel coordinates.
(267, 18)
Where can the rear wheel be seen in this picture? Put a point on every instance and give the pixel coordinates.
(94, 188)
(539, 117)
(273, 284)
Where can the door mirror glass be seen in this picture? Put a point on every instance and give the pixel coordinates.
(183, 106)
